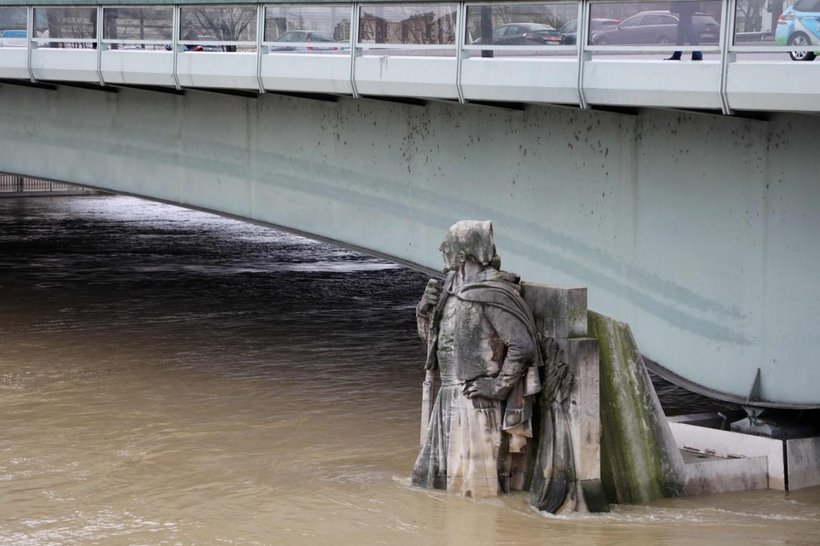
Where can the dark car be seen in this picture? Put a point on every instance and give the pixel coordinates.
(524, 34)
(198, 47)
(569, 32)
(203, 45)
(655, 27)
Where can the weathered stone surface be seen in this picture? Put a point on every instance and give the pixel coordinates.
(585, 420)
(640, 460)
(716, 475)
(584, 408)
(804, 462)
(560, 312)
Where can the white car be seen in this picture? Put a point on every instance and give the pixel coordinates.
(13, 38)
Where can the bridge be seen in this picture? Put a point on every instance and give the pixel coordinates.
(684, 194)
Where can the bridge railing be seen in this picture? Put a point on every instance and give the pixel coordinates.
(12, 183)
(588, 52)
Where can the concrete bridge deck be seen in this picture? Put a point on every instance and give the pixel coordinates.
(100, 45)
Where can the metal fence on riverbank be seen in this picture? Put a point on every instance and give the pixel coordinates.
(15, 184)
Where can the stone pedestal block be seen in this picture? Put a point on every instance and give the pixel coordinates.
(559, 312)
(803, 456)
(584, 407)
(582, 355)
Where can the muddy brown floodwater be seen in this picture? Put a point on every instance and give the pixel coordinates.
(173, 377)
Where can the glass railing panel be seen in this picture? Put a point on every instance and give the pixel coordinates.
(522, 29)
(69, 28)
(217, 28)
(755, 20)
(650, 26)
(409, 29)
(13, 31)
(777, 30)
(138, 28)
(310, 28)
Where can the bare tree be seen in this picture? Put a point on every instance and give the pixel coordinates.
(226, 24)
(751, 13)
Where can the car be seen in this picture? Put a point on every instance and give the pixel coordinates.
(799, 25)
(13, 38)
(655, 27)
(318, 41)
(204, 46)
(523, 34)
(197, 47)
(569, 32)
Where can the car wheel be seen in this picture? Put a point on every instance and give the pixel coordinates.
(800, 39)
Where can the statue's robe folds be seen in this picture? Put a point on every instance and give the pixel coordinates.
(481, 330)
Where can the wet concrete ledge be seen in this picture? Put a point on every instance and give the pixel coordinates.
(723, 460)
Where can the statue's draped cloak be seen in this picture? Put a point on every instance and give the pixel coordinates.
(456, 444)
(479, 330)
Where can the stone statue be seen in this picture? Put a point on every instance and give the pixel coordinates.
(478, 439)
(481, 338)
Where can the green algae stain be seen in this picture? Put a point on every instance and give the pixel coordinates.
(635, 466)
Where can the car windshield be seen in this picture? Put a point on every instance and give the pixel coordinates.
(537, 27)
(291, 37)
(597, 25)
(633, 21)
(569, 27)
(304, 36)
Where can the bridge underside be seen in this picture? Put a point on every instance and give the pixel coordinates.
(697, 229)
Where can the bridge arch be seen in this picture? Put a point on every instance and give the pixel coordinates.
(697, 229)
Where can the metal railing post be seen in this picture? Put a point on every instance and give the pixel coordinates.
(581, 43)
(354, 40)
(99, 44)
(727, 56)
(30, 45)
(461, 33)
(175, 45)
(260, 37)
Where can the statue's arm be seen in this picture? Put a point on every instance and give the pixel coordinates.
(429, 301)
(423, 324)
(520, 353)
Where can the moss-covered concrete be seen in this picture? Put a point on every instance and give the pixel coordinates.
(640, 460)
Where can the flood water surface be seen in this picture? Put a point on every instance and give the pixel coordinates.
(173, 377)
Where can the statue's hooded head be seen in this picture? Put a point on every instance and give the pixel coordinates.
(469, 240)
